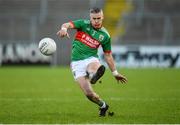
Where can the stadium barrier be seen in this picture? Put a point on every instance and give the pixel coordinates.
(124, 56)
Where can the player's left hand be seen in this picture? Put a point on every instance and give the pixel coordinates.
(120, 78)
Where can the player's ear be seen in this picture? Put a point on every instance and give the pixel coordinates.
(102, 15)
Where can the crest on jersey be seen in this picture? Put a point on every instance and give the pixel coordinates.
(83, 36)
(101, 37)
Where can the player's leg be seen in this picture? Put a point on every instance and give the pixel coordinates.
(79, 69)
(91, 95)
(79, 73)
(95, 71)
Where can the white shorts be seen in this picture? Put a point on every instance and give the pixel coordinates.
(79, 68)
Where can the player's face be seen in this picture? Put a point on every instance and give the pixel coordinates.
(96, 19)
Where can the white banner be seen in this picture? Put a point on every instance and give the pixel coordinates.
(145, 56)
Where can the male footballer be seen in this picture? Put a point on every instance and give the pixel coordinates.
(85, 65)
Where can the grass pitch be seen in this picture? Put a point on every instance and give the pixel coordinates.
(50, 95)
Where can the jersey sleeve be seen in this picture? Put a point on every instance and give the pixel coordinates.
(107, 46)
(78, 24)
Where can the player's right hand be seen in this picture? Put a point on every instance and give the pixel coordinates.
(62, 33)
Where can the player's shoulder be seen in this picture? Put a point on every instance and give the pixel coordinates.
(85, 21)
(104, 30)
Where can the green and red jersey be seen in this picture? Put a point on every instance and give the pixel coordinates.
(87, 40)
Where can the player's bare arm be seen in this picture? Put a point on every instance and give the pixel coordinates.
(110, 61)
(63, 31)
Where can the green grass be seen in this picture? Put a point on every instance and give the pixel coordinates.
(50, 95)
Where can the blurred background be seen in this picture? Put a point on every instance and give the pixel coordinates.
(145, 36)
(145, 33)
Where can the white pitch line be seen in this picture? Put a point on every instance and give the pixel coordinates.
(68, 100)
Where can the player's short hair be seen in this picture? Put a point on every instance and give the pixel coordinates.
(95, 10)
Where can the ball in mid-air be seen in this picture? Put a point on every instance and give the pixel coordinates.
(47, 46)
